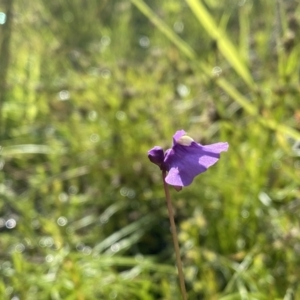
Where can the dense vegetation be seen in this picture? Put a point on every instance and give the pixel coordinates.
(87, 87)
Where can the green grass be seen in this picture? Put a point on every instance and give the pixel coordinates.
(88, 89)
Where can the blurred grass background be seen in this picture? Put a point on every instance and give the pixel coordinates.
(87, 87)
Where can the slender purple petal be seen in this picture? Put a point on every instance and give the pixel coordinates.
(217, 147)
(208, 158)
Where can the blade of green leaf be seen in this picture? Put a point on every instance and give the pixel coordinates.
(160, 24)
(224, 44)
(26, 149)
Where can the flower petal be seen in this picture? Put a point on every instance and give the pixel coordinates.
(174, 178)
(156, 155)
(185, 162)
(216, 148)
(208, 158)
(178, 134)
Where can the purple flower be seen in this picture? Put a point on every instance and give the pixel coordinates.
(186, 159)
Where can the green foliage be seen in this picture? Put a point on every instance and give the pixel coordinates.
(88, 88)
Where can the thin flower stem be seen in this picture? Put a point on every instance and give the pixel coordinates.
(175, 239)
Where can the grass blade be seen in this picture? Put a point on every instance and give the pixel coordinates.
(161, 25)
(224, 44)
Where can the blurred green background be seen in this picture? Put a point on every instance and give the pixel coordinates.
(87, 87)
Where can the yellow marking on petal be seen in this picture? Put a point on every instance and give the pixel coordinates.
(185, 140)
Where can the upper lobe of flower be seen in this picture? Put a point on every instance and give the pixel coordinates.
(186, 159)
(156, 155)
